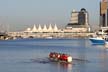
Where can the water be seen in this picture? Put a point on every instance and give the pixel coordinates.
(31, 55)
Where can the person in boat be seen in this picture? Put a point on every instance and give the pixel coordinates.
(60, 57)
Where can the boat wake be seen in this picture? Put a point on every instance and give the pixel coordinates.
(80, 60)
(47, 61)
(40, 60)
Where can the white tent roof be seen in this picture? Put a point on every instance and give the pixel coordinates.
(50, 29)
(34, 29)
(55, 28)
(39, 28)
(45, 28)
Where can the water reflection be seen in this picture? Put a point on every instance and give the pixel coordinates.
(61, 67)
(106, 46)
(81, 53)
(103, 62)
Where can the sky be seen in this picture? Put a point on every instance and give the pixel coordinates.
(17, 15)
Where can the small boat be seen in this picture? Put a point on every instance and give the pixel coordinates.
(60, 57)
(106, 44)
(106, 40)
(97, 40)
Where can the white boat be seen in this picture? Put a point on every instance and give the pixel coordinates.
(97, 40)
(106, 40)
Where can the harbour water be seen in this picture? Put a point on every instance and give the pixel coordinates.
(31, 55)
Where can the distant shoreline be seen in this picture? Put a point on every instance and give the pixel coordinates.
(15, 35)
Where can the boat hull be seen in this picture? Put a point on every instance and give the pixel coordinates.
(97, 41)
(59, 57)
(106, 44)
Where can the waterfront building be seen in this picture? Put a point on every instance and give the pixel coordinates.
(34, 29)
(50, 29)
(103, 26)
(74, 18)
(39, 28)
(103, 13)
(43, 29)
(55, 29)
(79, 21)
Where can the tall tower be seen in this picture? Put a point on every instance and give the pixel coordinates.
(103, 13)
(83, 17)
(74, 18)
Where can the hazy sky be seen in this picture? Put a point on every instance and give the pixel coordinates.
(17, 15)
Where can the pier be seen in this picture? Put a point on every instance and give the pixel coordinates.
(46, 35)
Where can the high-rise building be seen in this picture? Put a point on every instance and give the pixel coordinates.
(104, 13)
(79, 20)
(83, 17)
(74, 18)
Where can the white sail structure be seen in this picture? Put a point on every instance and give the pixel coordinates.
(55, 29)
(34, 29)
(50, 29)
(45, 29)
(39, 28)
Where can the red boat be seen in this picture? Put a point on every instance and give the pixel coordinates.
(59, 57)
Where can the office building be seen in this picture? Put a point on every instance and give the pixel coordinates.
(79, 21)
(103, 13)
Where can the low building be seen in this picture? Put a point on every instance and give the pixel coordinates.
(43, 29)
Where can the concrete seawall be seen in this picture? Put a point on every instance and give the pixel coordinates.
(45, 35)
